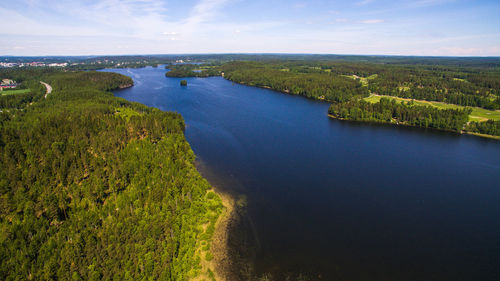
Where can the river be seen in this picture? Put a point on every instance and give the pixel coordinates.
(336, 200)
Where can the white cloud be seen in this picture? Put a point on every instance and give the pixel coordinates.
(372, 21)
(204, 10)
(43, 27)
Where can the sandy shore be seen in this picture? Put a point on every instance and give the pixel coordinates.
(233, 242)
(219, 266)
(220, 248)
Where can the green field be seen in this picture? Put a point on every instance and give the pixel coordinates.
(14, 92)
(363, 80)
(126, 113)
(478, 114)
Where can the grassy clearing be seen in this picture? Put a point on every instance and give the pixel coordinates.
(478, 114)
(201, 68)
(14, 92)
(211, 247)
(126, 112)
(459, 79)
(364, 80)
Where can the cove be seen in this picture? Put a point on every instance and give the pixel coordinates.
(336, 200)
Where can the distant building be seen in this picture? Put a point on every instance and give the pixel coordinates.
(8, 86)
(7, 64)
(7, 83)
(58, 64)
(35, 64)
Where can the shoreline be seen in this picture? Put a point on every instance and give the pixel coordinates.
(375, 122)
(231, 258)
(219, 267)
(483, 135)
(413, 126)
(220, 249)
(234, 240)
(286, 92)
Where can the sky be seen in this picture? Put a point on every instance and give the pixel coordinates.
(370, 27)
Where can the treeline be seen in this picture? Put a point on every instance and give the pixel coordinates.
(489, 127)
(407, 113)
(93, 187)
(468, 62)
(190, 70)
(312, 83)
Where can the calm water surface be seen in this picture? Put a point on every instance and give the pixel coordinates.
(335, 200)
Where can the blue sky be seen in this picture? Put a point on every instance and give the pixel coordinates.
(90, 27)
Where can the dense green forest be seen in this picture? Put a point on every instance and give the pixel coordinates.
(407, 113)
(191, 70)
(467, 89)
(391, 111)
(489, 127)
(306, 82)
(93, 187)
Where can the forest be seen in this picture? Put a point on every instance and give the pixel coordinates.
(93, 187)
(476, 85)
(391, 111)
(191, 70)
(455, 85)
(465, 83)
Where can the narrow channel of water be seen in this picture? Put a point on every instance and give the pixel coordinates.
(333, 200)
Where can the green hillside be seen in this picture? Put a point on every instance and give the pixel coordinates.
(93, 187)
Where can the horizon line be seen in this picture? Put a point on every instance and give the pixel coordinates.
(246, 53)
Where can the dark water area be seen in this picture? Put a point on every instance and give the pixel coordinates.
(334, 200)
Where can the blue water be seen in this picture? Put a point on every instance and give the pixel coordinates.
(335, 200)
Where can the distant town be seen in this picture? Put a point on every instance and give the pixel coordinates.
(94, 63)
(32, 64)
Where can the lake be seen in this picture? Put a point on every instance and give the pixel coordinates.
(336, 200)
